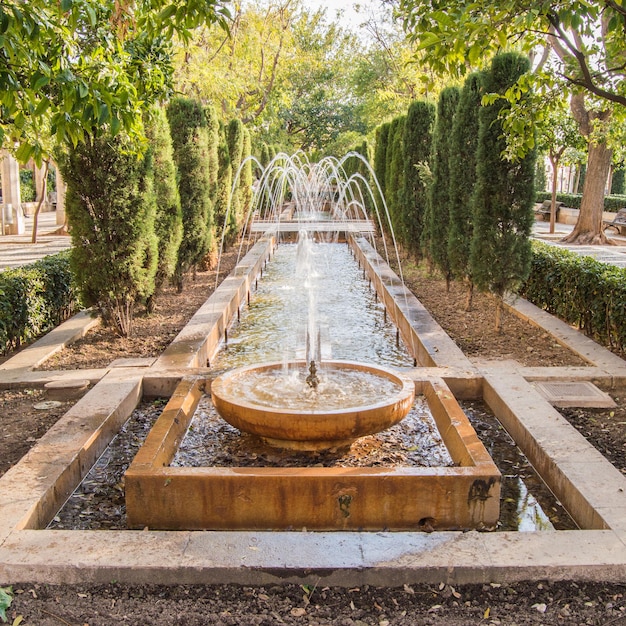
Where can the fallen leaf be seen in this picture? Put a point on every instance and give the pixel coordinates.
(486, 613)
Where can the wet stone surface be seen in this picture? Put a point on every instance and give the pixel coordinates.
(526, 503)
(212, 442)
(99, 501)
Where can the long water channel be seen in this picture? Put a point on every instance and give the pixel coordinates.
(314, 290)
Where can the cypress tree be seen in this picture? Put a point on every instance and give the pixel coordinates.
(395, 172)
(462, 180)
(380, 164)
(417, 149)
(503, 196)
(245, 178)
(111, 208)
(437, 224)
(234, 139)
(223, 197)
(169, 221)
(188, 125)
(265, 155)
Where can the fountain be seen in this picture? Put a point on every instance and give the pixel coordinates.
(313, 404)
(313, 401)
(293, 410)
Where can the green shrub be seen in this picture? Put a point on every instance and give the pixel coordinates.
(190, 141)
(34, 299)
(111, 208)
(581, 291)
(27, 186)
(572, 200)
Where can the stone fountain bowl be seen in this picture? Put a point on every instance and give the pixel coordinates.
(274, 402)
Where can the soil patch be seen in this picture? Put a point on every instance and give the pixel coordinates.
(474, 331)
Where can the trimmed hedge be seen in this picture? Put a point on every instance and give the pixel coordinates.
(572, 200)
(34, 299)
(581, 291)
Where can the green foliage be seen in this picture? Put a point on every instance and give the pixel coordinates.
(617, 182)
(463, 153)
(541, 180)
(223, 199)
(34, 299)
(234, 138)
(245, 177)
(70, 68)
(111, 209)
(6, 598)
(463, 35)
(265, 157)
(27, 186)
(572, 200)
(395, 170)
(188, 125)
(437, 224)
(380, 162)
(169, 220)
(581, 291)
(503, 195)
(417, 149)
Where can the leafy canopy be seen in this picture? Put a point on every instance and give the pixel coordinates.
(71, 67)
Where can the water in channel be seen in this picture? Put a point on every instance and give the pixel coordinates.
(329, 297)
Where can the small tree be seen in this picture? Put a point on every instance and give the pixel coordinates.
(438, 223)
(557, 132)
(188, 125)
(503, 196)
(169, 220)
(464, 145)
(111, 209)
(417, 148)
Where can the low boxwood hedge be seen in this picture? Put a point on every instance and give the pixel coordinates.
(581, 291)
(572, 200)
(34, 299)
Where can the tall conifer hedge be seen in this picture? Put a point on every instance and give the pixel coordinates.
(417, 149)
(111, 208)
(169, 220)
(188, 124)
(504, 194)
(464, 146)
(437, 224)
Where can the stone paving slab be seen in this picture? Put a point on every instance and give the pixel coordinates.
(337, 559)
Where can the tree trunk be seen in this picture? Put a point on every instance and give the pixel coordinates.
(554, 162)
(44, 191)
(588, 228)
(469, 296)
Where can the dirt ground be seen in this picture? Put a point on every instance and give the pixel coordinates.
(536, 602)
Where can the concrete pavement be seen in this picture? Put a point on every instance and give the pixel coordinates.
(17, 250)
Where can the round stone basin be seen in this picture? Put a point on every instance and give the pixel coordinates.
(274, 402)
